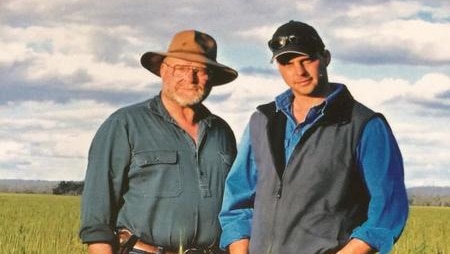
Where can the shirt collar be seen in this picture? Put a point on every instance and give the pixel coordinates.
(283, 101)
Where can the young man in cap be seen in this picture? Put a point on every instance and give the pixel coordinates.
(156, 169)
(316, 171)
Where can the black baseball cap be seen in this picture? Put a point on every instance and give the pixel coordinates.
(295, 37)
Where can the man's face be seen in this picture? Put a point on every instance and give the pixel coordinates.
(305, 75)
(184, 82)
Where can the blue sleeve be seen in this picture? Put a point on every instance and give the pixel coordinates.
(237, 207)
(381, 165)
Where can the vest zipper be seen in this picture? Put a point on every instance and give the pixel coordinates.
(280, 190)
(278, 196)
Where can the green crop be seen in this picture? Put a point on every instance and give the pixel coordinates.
(49, 224)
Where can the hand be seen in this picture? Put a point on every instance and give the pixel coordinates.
(356, 246)
(239, 247)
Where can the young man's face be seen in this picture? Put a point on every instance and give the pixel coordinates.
(305, 75)
(184, 82)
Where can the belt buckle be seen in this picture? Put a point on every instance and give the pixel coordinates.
(160, 250)
(196, 251)
(190, 251)
(199, 251)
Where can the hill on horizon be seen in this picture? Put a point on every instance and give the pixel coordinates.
(430, 191)
(27, 186)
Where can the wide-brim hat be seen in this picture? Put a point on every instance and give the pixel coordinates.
(193, 46)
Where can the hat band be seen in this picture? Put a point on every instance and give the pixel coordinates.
(192, 53)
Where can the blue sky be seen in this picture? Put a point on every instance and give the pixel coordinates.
(65, 65)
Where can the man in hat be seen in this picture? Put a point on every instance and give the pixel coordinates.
(156, 169)
(316, 171)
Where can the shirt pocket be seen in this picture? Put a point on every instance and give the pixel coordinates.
(157, 174)
(226, 160)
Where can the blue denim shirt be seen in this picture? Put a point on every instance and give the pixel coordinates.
(379, 160)
(146, 174)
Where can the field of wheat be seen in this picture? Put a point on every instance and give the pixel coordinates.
(39, 224)
(427, 232)
(48, 224)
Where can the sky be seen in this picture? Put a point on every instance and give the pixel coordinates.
(66, 65)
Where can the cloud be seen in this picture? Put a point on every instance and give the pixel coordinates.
(419, 116)
(425, 97)
(38, 137)
(242, 97)
(386, 32)
(46, 140)
(428, 90)
(251, 70)
(73, 62)
(383, 44)
(52, 92)
(65, 65)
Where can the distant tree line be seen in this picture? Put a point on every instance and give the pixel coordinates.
(429, 200)
(417, 196)
(69, 188)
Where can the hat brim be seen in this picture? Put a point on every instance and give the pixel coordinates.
(291, 49)
(222, 74)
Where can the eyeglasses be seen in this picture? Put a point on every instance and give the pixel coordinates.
(181, 71)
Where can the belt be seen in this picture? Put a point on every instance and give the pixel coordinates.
(125, 236)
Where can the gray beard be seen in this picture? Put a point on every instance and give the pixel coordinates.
(187, 102)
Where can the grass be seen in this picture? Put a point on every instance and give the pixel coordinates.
(48, 224)
(39, 224)
(427, 231)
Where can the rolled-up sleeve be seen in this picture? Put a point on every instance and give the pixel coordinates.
(381, 164)
(237, 207)
(109, 157)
